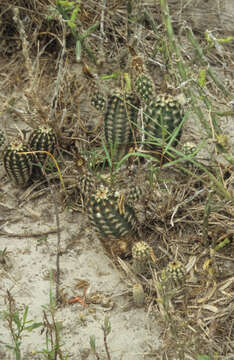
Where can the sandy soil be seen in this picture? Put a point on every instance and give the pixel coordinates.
(31, 259)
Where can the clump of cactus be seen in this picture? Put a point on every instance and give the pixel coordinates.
(43, 139)
(17, 164)
(161, 117)
(163, 113)
(142, 254)
(144, 86)
(120, 109)
(113, 219)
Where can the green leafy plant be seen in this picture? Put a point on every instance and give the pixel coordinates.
(203, 357)
(18, 325)
(52, 329)
(70, 11)
(106, 327)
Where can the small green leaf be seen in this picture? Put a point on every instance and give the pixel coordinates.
(92, 343)
(33, 326)
(226, 40)
(203, 357)
(71, 25)
(66, 3)
(74, 13)
(202, 78)
(223, 243)
(25, 315)
(114, 75)
(89, 31)
(16, 320)
(107, 325)
(127, 81)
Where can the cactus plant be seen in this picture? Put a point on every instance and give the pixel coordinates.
(2, 138)
(138, 295)
(113, 219)
(162, 113)
(144, 86)
(119, 119)
(175, 271)
(134, 194)
(120, 110)
(87, 185)
(189, 147)
(98, 101)
(120, 115)
(18, 166)
(141, 254)
(42, 139)
(161, 117)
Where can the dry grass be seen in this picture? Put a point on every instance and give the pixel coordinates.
(183, 214)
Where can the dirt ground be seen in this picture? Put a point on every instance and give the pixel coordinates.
(134, 331)
(94, 287)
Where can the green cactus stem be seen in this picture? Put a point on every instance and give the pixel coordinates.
(144, 85)
(2, 138)
(142, 255)
(161, 117)
(113, 219)
(18, 166)
(98, 101)
(175, 273)
(120, 117)
(43, 139)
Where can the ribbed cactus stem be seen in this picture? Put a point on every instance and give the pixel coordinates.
(2, 138)
(98, 101)
(87, 185)
(161, 117)
(120, 117)
(138, 295)
(175, 273)
(18, 165)
(189, 147)
(113, 220)
(142, 254)
(134, 194)
(144, 85)
(43, 139)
